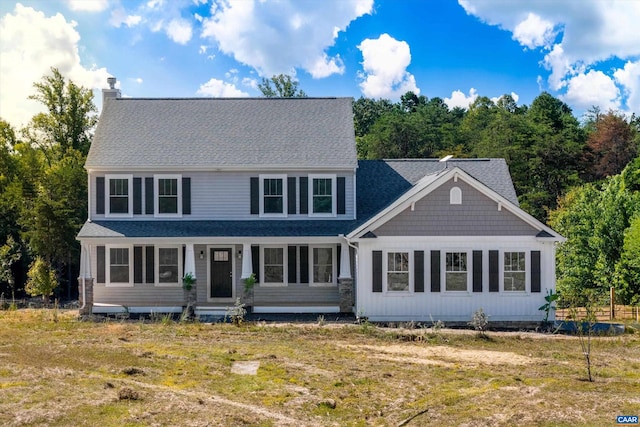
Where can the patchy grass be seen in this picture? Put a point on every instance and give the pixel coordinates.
(57, 371)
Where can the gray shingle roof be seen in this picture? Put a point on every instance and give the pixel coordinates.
(209, 133)
(380, 182)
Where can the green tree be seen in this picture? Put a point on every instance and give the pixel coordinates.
(627, 270)
(10, 254)
(69, 120)
(41, 279)
(281, 86)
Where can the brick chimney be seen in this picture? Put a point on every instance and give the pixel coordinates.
(112, 92)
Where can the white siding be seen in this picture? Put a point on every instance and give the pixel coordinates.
(452, 306)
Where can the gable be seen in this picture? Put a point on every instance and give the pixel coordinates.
(434, 215)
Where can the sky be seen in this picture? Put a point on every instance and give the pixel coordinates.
(584, 52)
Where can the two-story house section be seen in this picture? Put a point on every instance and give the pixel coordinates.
(221, 189)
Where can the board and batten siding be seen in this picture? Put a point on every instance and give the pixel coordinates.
(223, 195)
(433, 215)
(452, 306)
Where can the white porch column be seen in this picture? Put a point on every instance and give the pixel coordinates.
(247, 262)
(345, 262)
(85, 262)
(189, 260)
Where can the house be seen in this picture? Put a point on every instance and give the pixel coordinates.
(225, 188)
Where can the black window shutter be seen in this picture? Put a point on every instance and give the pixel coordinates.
(341, 196)
(304, 195)
(137, 264)
(477, 271)
(292, 265)
(149, 265)
(494, 273)
(535, 271)
(255, 262)
(255, 195)
(137, 196)
(100, 261)
(338, 255)
(291, 195)
(148, 196)
(304, 264)
(186, 196)
(435, 271)
(376, 271)
(100, 195)
(418, 271)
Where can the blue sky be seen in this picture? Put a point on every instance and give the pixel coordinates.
(585, 52)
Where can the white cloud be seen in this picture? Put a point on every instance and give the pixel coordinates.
(218, 89)
(592, 88)
(119, 17)
(179, 30)
(629, 78)
(575, 36)
(514, 95)
(30, 44)
(385, 62)
(251, 83)
(88, 5)
(459, 99)
(534, 32)
(278, 37)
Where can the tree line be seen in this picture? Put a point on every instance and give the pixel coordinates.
(583, 178)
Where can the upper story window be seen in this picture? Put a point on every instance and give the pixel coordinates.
(273, 190)
(168, 195)
(514, 271)
(322, 195)
(398, 271)
(119, 195)
(456, 271)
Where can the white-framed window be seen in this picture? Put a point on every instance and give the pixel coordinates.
(119, 266)
(514, 272)
(273, 266)
(168, 195)
(273, 195)
(322, 195)
(168, 265)
(456, 271)
(323, 261)
(455, 196)
(397, 272)
(119, 191)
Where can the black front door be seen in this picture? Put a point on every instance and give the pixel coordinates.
(221, 273)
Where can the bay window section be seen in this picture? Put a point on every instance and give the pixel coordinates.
(397, 271)
(323, 273)
(514, 271)
(456, 271)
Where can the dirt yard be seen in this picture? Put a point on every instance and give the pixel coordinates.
(58, 371)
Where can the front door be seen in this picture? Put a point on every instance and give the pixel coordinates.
(221, 285)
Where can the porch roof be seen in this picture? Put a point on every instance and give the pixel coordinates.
(181, 228)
